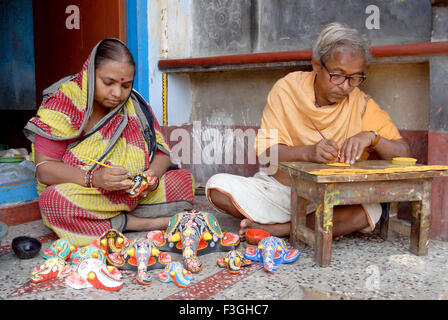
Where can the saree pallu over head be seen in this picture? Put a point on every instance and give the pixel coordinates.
(291, 111)
(67, 106)
(128, 136)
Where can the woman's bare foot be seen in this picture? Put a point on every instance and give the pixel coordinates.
(146, 224)
(276, 230)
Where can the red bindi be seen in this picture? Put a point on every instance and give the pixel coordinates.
(122, 79)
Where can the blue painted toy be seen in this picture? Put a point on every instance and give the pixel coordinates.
(174, 272)
(61, 249)
(271, 251)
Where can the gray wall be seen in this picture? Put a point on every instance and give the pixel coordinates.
(239, 97)
(223, 27)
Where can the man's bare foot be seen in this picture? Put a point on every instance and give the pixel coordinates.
(276, 230)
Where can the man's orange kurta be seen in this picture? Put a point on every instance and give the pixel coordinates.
(291, 107)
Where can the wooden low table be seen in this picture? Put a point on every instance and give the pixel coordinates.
(327, 191)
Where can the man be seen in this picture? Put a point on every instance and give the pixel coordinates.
(353, 124)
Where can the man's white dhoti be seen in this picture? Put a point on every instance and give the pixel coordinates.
(264, 200)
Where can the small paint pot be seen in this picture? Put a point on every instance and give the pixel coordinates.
(26, 247)
(253, 236)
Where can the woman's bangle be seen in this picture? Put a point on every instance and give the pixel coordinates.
(156, 183)
(41, 163)
(87, 178)
(91, 179)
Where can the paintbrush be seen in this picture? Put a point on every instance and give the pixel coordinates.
(100, 163)
(323, 137)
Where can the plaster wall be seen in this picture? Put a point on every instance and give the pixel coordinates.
(206, 28)
(239, 97)
(169, 24)
(294, 25)
(401, 89)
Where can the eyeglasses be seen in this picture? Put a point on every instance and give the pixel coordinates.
(337, 79)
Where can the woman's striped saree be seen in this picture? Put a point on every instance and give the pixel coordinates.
(129, 136)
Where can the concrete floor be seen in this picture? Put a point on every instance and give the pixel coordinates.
(363, 267)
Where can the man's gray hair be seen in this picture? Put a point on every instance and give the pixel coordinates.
(334, 36)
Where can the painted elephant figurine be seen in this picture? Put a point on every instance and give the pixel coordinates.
(120, 252)
(193, 233)
(143, 250)
(233, 261)
(174, 272)
(271, 251)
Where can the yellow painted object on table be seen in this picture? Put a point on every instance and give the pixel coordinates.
(338, 164)
(335, 171)
(404, 161)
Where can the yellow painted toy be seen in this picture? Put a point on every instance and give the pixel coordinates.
(404, 161)
(338, 164)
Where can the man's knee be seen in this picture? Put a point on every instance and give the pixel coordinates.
(349, 218)
(223, 202)
(218, 198)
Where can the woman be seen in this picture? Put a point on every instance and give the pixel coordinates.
(96, 115)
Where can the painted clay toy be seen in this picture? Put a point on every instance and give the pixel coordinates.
(60, 248)
(143, 250)
(120, 252)
(174, 272)
(233, 261)
(111, 241)
(87, 252)
(193, 233)
(92, 272)
(271, 251)
(141, 183)
(139, 255)
(50, 269)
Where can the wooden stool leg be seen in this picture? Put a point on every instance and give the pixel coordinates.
(386, 226)
(420, 222)
(323, 233)
(299, 232)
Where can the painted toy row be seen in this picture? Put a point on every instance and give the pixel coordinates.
(191, 233)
